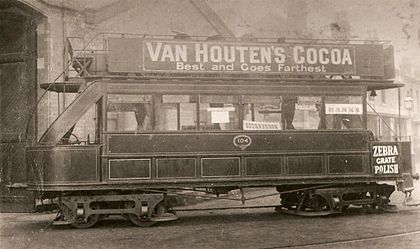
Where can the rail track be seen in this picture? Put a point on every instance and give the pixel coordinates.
(343, 242)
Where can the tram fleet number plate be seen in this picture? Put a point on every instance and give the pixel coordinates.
(385, 158)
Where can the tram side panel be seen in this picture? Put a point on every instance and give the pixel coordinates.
(237, 158)
(220, 159)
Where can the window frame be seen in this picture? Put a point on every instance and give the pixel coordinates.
(241, 103)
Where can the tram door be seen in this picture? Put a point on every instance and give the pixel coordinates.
(17, 99)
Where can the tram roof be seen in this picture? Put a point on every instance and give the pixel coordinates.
(371, 84)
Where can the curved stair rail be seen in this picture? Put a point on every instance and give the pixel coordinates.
(51, 85)
(69, 117)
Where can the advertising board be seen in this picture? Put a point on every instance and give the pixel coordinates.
(385, 158)
(182, 56)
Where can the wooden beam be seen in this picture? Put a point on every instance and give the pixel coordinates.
(109, 11)
(215, 21)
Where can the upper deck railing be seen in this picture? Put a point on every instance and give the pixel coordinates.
(126, 54)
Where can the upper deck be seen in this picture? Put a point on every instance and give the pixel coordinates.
(272, 60)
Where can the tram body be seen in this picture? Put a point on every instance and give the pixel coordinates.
(189, 114)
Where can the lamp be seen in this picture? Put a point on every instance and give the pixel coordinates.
(373, 93)
(408, 103)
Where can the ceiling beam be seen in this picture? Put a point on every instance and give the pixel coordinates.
(109, 11)
(210, 15)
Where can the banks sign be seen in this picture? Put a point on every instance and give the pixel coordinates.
(146, 55)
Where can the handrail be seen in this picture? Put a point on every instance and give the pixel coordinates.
(93, 96)
(386, 123)
(53, 82)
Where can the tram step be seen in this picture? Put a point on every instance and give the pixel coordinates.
(411, 202)
(164, 217)
(62, 222)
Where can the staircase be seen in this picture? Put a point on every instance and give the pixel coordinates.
(69, 117)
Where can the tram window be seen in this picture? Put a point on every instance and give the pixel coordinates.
(175, 112)
(344, 112)
(129, 112)
(262, 112)
(307, 113)
(218, 112)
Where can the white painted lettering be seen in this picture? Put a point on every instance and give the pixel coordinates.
(322, 56)
(297, 55)
(201, 53)
(167, 53)
(154, 53)
(335, 56)
(346, 57)
(280, 56)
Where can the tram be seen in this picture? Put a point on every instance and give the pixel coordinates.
(170, 114)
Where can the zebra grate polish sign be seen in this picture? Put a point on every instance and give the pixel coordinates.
(385, 158)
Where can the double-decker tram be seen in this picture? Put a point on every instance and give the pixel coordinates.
(159, 115)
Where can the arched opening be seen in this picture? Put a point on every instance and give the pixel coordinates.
(18, 95)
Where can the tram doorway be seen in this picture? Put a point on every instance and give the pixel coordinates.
(18, 96)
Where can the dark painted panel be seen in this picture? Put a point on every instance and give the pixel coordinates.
(342, 164)
(304, 165)
(63, 165)
(220, 166)
(176, 167)
(223, 142)
(370, 60)
(129, 169)
(256, 166)
(124, 54)
(82, 166)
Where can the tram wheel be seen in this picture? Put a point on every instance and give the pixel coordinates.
(320, 203)
(89, 222)
(141, 221)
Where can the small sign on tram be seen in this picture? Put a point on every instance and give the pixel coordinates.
(255, 125)
(242, 141)
(385, 158)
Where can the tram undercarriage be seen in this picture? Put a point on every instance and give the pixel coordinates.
(150, 206)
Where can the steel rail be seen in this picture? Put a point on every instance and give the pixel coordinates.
(337, 242)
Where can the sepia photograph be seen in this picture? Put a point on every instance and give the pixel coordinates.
(209, 124)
